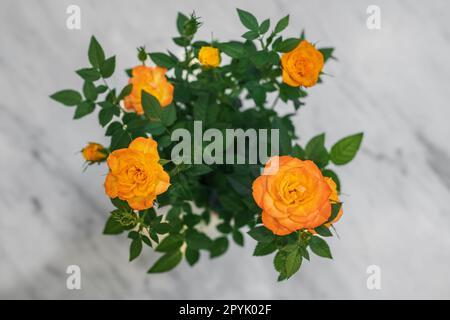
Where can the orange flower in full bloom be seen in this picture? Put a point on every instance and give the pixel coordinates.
(136, 175)
(302, 66)
(94, 152)
(296, 196)
(152, 80)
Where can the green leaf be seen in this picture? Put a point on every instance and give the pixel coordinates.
(197, 240)
(250, 35)
(181, 21)
(163, 60)
(125, 92)
(305, 253)
(191, 219)
(224, 228)
(105, 116)
(133, 235)
(282, 24)
(113, 128)
(192, 256)
(323, 231)
(315, 150)
(238, 237)
(83, 109)
(298, 152)
(335, 208)
(170, 243)
(248, 20)
(282, 276)
(147, 241)
(327, 53)
(162, 228)
(101, 88)
(67, 97)
(108, 67)
(198, 170)
(232, 49)
(291, 246)
(120, 204)
(345, 149)
(293, 263)
(279, 261)
(120, 139)
(218, 247)
(320, 247)
(287, 45)
(95, 53)
(264, 26)
(112, 226)
(167, 262)
(261, 234)
(154, 236)
(155, 128)
(263, 249)
(164, 141)
(89, 74)
(90, 91)
(174, 212)
(151, 106)
(168, 115)
(181, 41)
(315, 143)
(135, 248)
(260, 58)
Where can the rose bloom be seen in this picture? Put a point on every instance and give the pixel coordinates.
(209, 57)
(135, 174)
(94, 152)
(302, 66)
(152, 80)
(296, 196)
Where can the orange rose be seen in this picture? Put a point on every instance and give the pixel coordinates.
(294, 197)
(152, 80)
(302, 66)
(135, 174)
(209, 57)
(94, 152)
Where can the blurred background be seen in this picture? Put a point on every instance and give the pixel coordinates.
(391, 83)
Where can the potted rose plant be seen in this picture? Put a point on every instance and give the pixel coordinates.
(215, 86)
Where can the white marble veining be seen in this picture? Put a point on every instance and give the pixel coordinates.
(391, 83)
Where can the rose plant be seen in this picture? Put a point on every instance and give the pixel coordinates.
(221, 85)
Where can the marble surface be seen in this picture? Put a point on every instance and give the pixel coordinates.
(391, 83)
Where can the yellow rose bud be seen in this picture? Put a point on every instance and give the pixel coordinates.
(302, 66)
(94, 152)
(209, 57)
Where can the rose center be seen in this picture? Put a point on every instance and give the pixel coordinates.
(294, 193)
(301, 65)
(138, 175)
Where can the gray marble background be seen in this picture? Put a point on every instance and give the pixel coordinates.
(391, 83)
